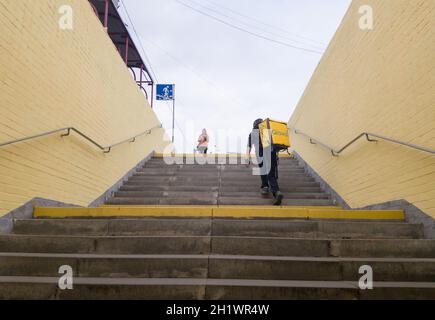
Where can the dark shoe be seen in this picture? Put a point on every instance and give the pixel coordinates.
(278, 198)
(264, 191)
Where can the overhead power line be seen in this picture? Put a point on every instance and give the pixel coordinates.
(180, 62)
(255, 26)
(196, 73)
(247, 31)
(139, 40)
(265, 23)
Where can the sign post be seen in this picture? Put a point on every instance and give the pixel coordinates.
(173, 113)
(166, 92)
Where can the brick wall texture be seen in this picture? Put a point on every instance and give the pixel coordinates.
(52, 78)
(380, 81)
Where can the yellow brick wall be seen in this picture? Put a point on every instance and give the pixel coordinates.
(52, 78)
(380, 81)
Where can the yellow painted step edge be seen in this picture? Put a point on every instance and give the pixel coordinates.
(222, 206)
(218, 212)
(304, 213)
(122, 212)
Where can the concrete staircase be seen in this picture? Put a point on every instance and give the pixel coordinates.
(211, 257)
(212, 184)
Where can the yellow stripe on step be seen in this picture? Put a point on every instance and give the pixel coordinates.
(123, 211)
(218, 212)
(307, 213)
(357, 214)
(256, 212)
(224, 206)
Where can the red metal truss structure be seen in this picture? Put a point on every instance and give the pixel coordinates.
(115, 27)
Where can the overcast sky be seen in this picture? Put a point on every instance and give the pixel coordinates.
(225, 77)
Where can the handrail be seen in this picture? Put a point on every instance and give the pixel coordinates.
(68, 132)
(368, 136)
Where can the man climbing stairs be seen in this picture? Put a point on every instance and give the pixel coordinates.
(204, 232)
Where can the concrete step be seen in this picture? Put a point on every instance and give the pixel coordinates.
(376, 248)
(181, 166)
(212, 158)
(255, 188)
(213, 195)
(215, 201)
(220, 166)
(194, 182)
(208, 167)
(205, 168)
(219, 227)
(173, 188)
(258, 246)
(216, 177)
(206, 194)
(228, 170)
(115, 227)
(216, 161)
(168, 194)
(286, 173)
(209, 177)
(268, 201)
(229, 173)
(319, 269)
(92, 265)
(288, 195)
(186, 172)
(215, 266)
(101, 245)
(224, 185)
(189, 162)
(162, 201)
(242, 185)
(256, 179)
(316, 229)
(249, 188)
(172, 173)
(192, 161)
(210, 289)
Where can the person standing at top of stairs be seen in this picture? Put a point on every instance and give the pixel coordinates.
(267, 160)
(203, 141)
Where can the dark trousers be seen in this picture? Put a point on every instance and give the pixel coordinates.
(270, 178)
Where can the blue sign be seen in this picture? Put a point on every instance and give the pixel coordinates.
(165, 92)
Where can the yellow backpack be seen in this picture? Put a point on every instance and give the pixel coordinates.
(275, 134)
